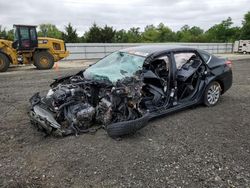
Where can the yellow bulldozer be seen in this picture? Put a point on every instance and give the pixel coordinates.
(27, 48)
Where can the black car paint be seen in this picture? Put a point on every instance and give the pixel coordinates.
(221, 72)
(216, 70)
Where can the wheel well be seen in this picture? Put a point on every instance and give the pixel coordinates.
(221, 85)
(41, 50)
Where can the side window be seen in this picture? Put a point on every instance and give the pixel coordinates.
(24, 32)
(33, 34)
(160, 66)
(182, 58)
(166, 62)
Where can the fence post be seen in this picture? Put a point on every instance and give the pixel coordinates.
(105, 51)
(85, 52)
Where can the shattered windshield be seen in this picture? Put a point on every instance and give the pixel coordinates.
(115, 66)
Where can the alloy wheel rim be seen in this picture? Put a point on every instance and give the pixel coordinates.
(213, 94)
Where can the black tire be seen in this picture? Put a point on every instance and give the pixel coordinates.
(4, 63)
(43, 60)
(244, 52)
(212, 94)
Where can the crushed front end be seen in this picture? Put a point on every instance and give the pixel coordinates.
(77, 105)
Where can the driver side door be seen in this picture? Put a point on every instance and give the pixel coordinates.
(157, 78)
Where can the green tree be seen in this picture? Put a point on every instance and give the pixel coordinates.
(70, 34)
(82, 39)
(245, 30)
(3, 33)
(49, 30)
(101, 35)
(196, 31)
(121, 36)
(190, 34)
(6, 34)
(236, 34)
(222, 32)
(94, 34)
(165, 34)
(108, 34)
(134, 35)
(183, 34)
(10, 35)
(150, 34)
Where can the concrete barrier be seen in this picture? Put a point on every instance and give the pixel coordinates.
(79, 51)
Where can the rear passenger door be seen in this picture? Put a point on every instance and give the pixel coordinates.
(188, 71)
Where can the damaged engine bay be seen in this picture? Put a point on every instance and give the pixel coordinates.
(74, 106)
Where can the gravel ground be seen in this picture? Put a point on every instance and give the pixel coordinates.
(198, 147)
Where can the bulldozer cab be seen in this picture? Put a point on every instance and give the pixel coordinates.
(25, 38)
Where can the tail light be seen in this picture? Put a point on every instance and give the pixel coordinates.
(229, 64)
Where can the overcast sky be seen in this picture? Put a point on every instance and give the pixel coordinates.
(122, 13)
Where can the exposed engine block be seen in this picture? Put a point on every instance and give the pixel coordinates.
(82, 104)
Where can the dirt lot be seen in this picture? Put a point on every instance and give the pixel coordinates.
(199, 147)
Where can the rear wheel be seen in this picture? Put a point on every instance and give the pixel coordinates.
(4, 63)
(212, 94)
(43, 60)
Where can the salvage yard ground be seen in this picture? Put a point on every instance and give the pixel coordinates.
(198, 147)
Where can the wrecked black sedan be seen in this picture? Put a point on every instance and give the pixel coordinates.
(127, 88)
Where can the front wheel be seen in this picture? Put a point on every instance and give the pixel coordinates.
(212, 94)
(4, 63)
(43, 60)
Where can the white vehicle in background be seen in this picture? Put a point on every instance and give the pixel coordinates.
(242, 46)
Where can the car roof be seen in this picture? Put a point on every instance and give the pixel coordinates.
(148, 50)
(18, 25)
